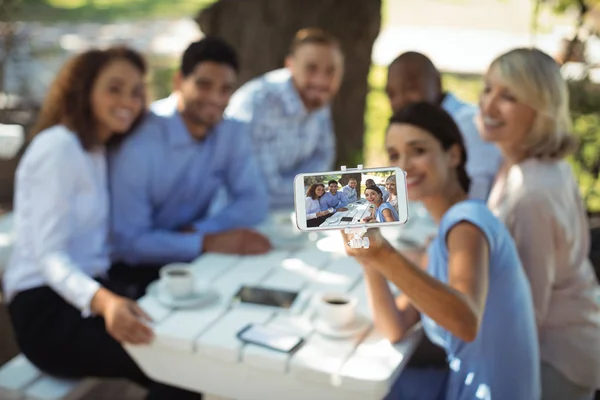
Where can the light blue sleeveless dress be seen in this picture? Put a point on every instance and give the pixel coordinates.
(503, 361)
(385, 206)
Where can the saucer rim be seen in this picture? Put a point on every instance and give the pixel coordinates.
(361, 322)
(201, 292)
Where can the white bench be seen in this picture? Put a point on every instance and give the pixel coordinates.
(6, 240)
(21, 380)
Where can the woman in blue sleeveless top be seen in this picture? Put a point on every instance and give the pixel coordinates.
(473, 299)
(382, 211)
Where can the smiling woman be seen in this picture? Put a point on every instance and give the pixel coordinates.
(474, 289)
(66, 320)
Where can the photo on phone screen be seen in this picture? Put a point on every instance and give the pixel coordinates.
(265, 296)
(338, 199)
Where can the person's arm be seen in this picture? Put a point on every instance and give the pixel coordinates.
(308, 204)
(51, 186)
(250, 199)
(392, 317)
(135, 239)
(387, 215)
(324, 155)
(457, 307)
(324, 201)
(343, 200)
(249, 105)
(535, 232)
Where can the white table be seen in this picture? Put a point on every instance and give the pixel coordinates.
(357, 211)
(197, 349)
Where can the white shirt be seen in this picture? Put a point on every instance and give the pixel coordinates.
(312, 208)
(61, 219)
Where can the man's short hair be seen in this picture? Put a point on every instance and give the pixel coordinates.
(352, 179)
(332, 181)
(210, 48)
(313, 36)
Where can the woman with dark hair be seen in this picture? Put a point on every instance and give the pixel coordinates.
(314, 216)
(471, 294)
(66, 319)
(382, 211)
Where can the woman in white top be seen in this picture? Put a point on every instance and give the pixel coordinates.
(314, 216)
(525, 111)
(66, 321)
(390, 185)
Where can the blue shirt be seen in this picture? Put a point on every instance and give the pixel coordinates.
(503, 361)
(337, 200)
(350, 193)
(286, 138)
(163, 179)
(385, 206)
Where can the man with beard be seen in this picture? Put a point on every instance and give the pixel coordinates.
(166, 174)
(289, 113)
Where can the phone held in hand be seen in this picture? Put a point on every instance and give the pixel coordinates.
(371, 197)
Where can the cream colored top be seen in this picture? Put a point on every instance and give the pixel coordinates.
(541, 206)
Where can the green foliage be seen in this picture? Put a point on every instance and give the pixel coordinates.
(378, 110)
(107, 10)
(562, 6)
(585, 103)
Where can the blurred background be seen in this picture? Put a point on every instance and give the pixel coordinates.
(460, 36)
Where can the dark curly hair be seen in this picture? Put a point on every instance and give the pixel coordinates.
(312, 190)
(68, 101)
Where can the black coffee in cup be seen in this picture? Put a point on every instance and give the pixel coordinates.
(337, 302)
(178, 272)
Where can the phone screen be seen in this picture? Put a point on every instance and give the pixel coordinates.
(360, 198)
(265, 296)
(271, 338)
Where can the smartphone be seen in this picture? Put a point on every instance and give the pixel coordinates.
(265, 296)
(270, 338)
(379, 199)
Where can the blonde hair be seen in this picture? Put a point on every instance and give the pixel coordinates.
(534, 78)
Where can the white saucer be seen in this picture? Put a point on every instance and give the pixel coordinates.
(359, 324)
(202, 296)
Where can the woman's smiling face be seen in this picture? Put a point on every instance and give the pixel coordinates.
(428, 167)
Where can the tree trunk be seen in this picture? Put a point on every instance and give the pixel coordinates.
(262, 30)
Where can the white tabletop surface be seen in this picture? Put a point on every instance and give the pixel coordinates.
(197, 348)
(357, 211)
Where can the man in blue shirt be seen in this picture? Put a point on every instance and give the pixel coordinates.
(289, 113)
(412, 77)
(166, 174)
(350, 190)
(333, 198)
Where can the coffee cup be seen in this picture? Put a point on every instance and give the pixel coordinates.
(338, 310)
(178, 280)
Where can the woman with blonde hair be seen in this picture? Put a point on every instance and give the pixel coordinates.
(525, 112)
